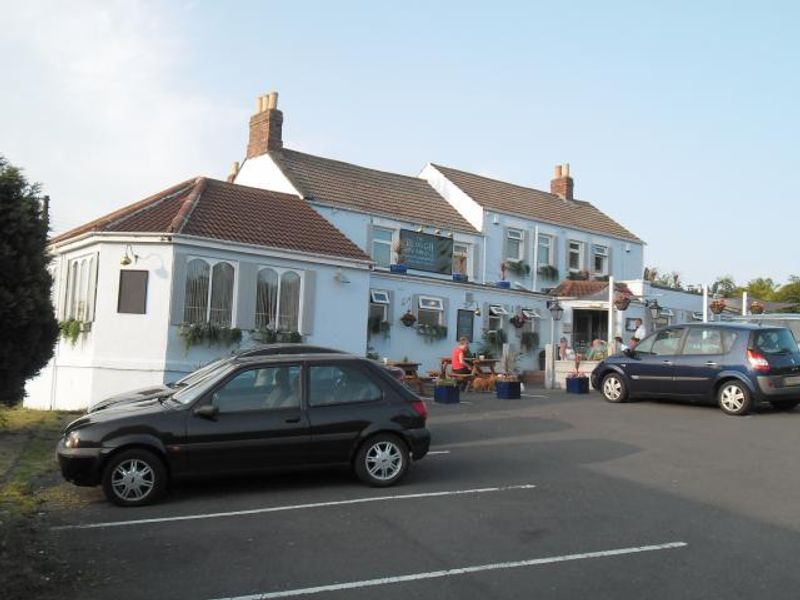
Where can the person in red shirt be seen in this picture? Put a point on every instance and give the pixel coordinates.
(458, 360)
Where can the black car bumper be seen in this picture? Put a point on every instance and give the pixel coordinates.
(776, 388)
(81, 466)
(419, 441)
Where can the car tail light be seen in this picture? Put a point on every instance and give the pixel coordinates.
(758, 361)
(419, 407)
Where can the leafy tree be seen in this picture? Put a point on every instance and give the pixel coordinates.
(790, 293)
(27, 320)
(671, 280)
(724, 286)
(763, 288)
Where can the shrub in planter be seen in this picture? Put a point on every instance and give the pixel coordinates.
(432, 332)
(518, 267)
(408, 319)
(71, 330)
(548, 272)
(529, 340)
(194, 334)
(376, 326)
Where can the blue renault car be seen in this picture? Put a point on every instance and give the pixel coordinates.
(735, 365)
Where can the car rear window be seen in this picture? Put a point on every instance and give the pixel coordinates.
(774, 341)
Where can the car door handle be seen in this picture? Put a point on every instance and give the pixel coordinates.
(667, 362)
(711, 363)
(293, 420)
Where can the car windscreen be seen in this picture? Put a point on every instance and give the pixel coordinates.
(774, 341)
(199, 386)
(195, 376)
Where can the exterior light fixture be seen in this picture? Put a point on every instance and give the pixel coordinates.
(129, 256)
(556, 310)
(653, 307)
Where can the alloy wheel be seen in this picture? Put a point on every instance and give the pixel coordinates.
(612, 388)
(133, 479)
(384, 460)
(732, 398)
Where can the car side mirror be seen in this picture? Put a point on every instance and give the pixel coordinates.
(207, 411)
(629, 352)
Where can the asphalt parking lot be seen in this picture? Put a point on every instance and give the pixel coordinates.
(554, 496)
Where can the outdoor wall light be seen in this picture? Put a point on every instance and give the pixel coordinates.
(420, 229)
(556, 310)
(129, 256)
(653, 307)
(341, 277)
(437, 231)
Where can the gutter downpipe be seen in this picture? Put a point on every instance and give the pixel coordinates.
(610, 311)
(535, 265)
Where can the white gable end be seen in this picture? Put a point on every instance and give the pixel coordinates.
(469, 209)
(262, 172)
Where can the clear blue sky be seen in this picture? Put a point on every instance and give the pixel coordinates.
(679, 120)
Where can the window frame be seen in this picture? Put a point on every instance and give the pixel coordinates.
(550, 239)
(309, 367)
(580, 250)
(280, 271)
(654, 335)
(530, 313)
(392, 236)
(84, 284)
(212, 262)
(497, 310)
(466, 254)
(701, 331)
(208, 396)
(511, 234)
(437, 307)
(379, 296)
(598, 250)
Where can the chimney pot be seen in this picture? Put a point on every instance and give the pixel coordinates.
(266, 126)
(562, 184)
(558, 171)
(272, 101)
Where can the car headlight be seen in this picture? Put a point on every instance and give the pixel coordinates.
(72, 439)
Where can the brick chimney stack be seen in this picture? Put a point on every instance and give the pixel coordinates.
(266, 126)
(562, 184)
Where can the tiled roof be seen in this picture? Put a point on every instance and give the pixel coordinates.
(580, 288)
(343, 184)
(215, 209)
(534, 204)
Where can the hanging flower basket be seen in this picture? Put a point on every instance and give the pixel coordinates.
(518, 321)
(408, 319)
(622, 300)
(718, 305)
(756, 308)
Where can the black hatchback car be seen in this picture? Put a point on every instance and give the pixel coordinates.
(248, 414)
(733, 365)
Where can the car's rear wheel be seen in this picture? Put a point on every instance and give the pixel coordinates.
(613, 388)
(784, 404)
(382, 460)
(134, 478)
(734, 398)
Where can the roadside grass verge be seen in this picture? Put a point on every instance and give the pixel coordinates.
(29, 476)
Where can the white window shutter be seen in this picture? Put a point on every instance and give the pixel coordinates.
(309, 298)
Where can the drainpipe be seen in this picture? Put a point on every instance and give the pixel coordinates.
(483, 259)
(535, 265)
(610, 333)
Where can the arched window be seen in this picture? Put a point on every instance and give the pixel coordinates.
(196, 304)
(221, 295)
(289, 306)
(266, 299)
(81, 284)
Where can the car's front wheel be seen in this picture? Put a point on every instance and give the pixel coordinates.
(734, 398)
(784, 404)
(382, 460)
(134, 478)
(613, 388)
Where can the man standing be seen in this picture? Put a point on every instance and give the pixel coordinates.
(640, 332)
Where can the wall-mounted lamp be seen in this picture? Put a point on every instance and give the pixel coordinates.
(341, 277)
(129, 256)
(437, 231)
(420, 229)
(653, 307)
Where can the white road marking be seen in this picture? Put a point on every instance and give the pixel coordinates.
(336, 587)
(438, 452)
(271, 509)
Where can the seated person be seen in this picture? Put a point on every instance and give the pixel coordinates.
(597, 351)
(458, 360)
(284, 393)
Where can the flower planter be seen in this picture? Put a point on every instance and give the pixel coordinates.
(506, 285)
(398, 268)
(446, 394)
(508, 390)
(460, 277)
(577, 385)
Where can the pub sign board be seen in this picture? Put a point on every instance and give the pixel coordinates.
(427, 252)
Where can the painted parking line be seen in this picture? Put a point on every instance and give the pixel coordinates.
(351, 585)
(272, 509)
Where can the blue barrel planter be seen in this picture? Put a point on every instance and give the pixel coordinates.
(460, 277)
(506, 285)
(446, 394)
(577, 385)
(508, 390)
(398, 268)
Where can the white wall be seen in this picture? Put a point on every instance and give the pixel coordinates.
(469, 208)
(262, 172)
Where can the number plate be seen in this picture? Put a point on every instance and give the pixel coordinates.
(792, 380)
